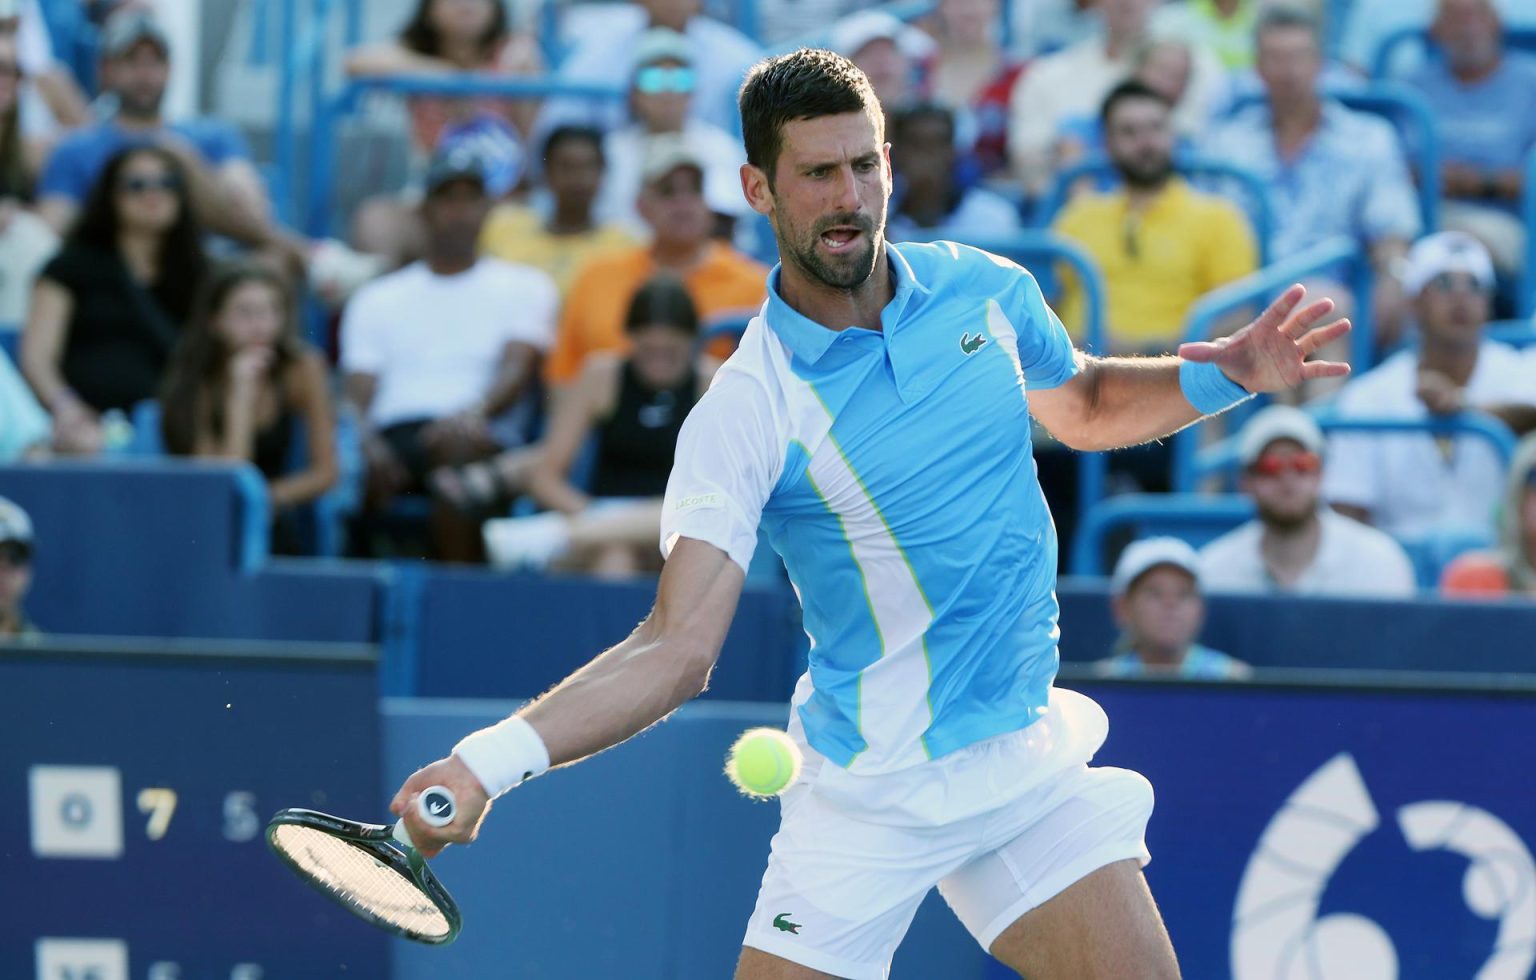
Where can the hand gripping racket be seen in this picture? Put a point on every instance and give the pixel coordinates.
(373, 870)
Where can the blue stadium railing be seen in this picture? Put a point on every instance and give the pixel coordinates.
(1258, 290)
(1196, 518)
(1256, 203)
(322, 157)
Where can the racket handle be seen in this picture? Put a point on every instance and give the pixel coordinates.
(436, 806)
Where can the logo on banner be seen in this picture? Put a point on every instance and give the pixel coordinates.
(1276, 932)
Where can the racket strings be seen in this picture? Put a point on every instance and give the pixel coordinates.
(362, 880)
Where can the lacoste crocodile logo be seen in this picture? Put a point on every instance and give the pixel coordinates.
(970, 345)
(782, 923)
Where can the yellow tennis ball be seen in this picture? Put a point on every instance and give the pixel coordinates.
(762, 762)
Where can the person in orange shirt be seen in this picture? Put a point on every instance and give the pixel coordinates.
(722, 282)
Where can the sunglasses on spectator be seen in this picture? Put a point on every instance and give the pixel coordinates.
(656, 80)
(1274, 464)
(142, 185)
(1447, 282)
(15, 553)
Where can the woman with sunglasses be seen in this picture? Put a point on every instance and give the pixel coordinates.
(108, 309)
(243, 386)
(662, 83)
(26, 241)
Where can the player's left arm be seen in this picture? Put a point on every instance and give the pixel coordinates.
(1113, 402)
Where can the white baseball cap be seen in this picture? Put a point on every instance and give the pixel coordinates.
(15, 525)
(852, 33)
(1446, 251)
(1142, 556)
(1277, 422)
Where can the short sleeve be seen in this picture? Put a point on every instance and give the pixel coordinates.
(1231, 251)
(727, 463)
(220, 142)
(362, 336)
(69, 268)
(535, 306)
(66, 174)
(1046, 352)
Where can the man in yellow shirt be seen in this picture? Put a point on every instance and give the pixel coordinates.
(721, 281)
(1160, 244)
(570, 237)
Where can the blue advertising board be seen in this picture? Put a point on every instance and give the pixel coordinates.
(145, 777)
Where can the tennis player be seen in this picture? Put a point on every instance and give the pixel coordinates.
(875, 423)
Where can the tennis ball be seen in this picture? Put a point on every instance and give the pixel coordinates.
(762, 762)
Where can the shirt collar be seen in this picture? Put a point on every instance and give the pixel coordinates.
(808, 339)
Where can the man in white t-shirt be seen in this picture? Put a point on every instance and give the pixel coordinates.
(438, 355)
(1413, 484)
(1298, 544)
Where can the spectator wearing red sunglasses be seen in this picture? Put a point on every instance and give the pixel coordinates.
(1297, 544)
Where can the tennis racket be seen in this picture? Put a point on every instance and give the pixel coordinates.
(372, 870)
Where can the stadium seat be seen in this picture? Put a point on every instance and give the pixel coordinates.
(1195, 518)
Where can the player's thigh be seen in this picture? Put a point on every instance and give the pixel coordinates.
(1103, 927)
(758, 965)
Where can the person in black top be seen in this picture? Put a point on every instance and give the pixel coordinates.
(630, 411)
(242, 381)
(108, 309)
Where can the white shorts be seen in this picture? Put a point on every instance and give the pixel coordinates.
(842, 884)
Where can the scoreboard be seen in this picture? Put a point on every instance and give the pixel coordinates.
(141, 775)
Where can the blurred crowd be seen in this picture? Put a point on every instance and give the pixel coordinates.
(501, 351)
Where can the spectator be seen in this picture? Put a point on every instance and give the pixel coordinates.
(1042, 27)
(51, 99)
(1511, 569)
(661, 88)
(107, 311)
(1160, 610)
(931, 197)
(1160, 244)
(1408, 485)
(973, 75)
(720, 280)
(1073, 83)
(26, 241)
(15, 573)
(217, 169)
(242, 386)
(24, 428)
(436, 354)
(1330, 171)
(1222, 27)
(893, 55)
(721, 56)
(1479, 94)
(1164, 66)
(1298, 545)
(632, 408)
(570, 236)
(1371, 22)
(444, 38)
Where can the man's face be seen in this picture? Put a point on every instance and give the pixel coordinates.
(1469, 32)
(1165, 70)
(15, 575)
(1162, 609)
(1452, 308)
(454, 214)
(1284, 483)
(660, 94)
(925, 153)
(673, 205)
(1289, 63)
(832, 184)
(889, 71)
(672, 13)
(574, 171)
(1139, 139)
(138, 77)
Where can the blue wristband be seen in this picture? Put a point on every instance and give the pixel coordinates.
(1208, 389)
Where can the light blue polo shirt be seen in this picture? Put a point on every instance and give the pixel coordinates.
(893, 472)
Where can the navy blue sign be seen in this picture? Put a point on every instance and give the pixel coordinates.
(141, 787)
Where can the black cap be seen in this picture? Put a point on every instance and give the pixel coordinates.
(451, 163)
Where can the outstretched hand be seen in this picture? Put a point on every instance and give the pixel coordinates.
(1270, 354)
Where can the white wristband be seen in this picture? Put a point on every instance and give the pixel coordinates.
(504, 755)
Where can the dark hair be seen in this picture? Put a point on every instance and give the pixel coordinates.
(804, 84)
(564, 134)
(195, 380)
(904, 119)
(662, 300)
(1286, 17)
(182, 261)
(421, 37)
(14, 179)
(1126, 91)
